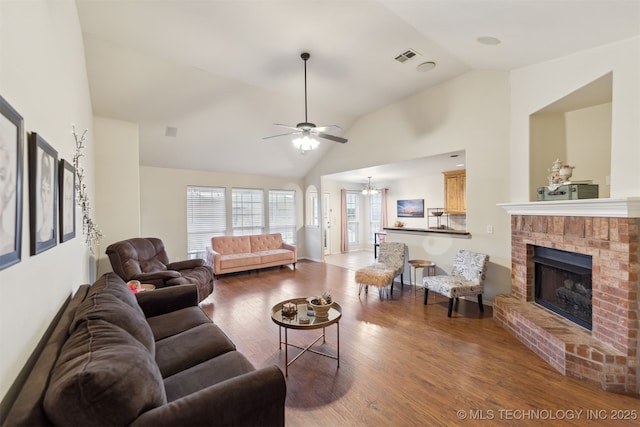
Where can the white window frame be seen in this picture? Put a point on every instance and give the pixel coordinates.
(375, 215)
(353, 216)
(247, 211)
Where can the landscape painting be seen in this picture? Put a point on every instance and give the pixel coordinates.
(413, 208)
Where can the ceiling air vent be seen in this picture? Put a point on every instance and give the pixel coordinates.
(406, 55)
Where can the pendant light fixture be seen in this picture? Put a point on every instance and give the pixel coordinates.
(370, 190)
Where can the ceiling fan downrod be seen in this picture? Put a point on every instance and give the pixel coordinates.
(305, 57)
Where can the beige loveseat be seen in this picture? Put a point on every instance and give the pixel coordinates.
(229, 254)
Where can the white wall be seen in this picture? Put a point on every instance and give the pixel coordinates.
(589, 145)
(469, 113)
(537, 86)
(43, 76)
(548, 142)
(117, 184)
(163, 201)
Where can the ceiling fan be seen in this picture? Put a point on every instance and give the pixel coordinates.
(307, 130)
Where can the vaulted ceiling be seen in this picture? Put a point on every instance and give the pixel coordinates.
(220, 73)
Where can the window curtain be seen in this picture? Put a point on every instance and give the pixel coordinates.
(344, 227)
(384, 221)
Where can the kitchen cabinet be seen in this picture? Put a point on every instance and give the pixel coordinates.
(455, 192)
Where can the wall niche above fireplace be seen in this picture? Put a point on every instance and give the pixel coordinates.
(575, 129)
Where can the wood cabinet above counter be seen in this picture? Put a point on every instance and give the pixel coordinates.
(455, 192)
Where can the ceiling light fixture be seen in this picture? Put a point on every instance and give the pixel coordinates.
(488, 40)
(305, 143)
(370, 189)
(426, 66)
(171, 131)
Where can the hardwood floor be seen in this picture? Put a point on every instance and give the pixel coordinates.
(403, 363)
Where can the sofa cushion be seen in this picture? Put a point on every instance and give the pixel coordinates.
(175, 322)
(191, 347)
(151, 265)
(265, 242)
(201, 276)
(239, 260)
(105, 306)
(226, 245)
(209, 372)
(275, 255)
(138, 255)
(103, 376)
(112, 284)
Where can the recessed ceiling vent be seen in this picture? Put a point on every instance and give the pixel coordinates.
(406, 56)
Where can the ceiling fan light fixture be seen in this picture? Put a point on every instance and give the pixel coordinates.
(306, 128)
(370, 190)
(305, 143)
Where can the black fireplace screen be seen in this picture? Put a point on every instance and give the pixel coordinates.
(563, 283)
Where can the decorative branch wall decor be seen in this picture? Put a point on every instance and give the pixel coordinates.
(92, 233)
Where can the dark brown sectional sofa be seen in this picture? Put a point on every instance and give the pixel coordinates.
(115, 358)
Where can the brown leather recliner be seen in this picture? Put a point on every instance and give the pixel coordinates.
(145, 259)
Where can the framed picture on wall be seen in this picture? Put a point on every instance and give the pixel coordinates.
(413, 208)
(43, 194)
(67, 200)
(11, 152)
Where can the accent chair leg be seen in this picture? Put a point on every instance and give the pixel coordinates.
(426, 294)
(450, 307)
(480, 302)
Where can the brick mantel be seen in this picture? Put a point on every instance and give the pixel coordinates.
(607, 230)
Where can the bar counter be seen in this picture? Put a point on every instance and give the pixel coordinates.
(457, 233)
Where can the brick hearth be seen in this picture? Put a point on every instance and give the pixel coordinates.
(607, 355)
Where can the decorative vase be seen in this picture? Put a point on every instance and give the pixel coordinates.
(321, 311)
(565, 172)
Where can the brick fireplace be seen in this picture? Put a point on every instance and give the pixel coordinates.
(607, 230)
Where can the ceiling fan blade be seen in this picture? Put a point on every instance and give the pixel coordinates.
(327, 128)
(332, 137)
(280, 134)
(286, 126)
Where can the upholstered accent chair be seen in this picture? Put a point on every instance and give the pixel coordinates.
(466, 279)
(145, 259)
(390, 264)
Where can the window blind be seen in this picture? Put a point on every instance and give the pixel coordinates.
(206, 217)
(282, 214)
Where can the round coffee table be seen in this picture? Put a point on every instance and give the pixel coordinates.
(297, 322)
(421, 263)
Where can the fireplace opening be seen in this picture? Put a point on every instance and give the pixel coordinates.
(563, 283)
